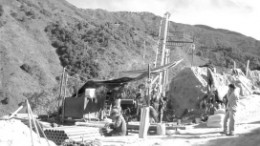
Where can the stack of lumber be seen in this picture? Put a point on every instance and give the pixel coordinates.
(74, 133)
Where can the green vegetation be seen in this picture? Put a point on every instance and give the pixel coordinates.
(97, 44)
(1, 10)
(73, 51)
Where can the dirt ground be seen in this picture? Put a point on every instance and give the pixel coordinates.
(200, 135)
(247, 132)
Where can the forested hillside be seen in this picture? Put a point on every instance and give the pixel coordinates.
(38, 38)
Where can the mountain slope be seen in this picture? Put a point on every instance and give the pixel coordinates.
(38, 38)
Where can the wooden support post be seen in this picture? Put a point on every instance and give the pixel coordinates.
(192, 59)
(234, 65)
(63, 99)
(247, 67)
(33, 120)
(144, 123)
(61, 82)
(144, 51)
(30, 123)
(14, 113)
(155, 79)
(149, 83)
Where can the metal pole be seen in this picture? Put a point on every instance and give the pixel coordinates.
(165, 71)
(167, 15)
(158, 44)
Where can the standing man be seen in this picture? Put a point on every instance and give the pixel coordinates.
(231, 108)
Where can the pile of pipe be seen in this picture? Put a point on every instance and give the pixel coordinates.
(73, 133)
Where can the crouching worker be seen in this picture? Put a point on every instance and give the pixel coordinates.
(118, 127)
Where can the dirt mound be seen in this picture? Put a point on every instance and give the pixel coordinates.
(248, 109)
(189, 87)
(255, 76)
(14, 133)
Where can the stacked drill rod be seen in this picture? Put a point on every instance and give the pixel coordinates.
(98, 124)
(74, 133)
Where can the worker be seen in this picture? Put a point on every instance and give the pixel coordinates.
(140, 100)
(155, 97)
(232, 100)
(118, 127)
(162, 107)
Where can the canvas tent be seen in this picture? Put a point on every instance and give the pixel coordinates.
(79, 105)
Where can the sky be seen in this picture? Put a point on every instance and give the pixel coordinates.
(242, 16)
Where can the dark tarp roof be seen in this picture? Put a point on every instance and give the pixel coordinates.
(124, 80)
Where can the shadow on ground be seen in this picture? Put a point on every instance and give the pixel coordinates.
(248, 139)
(201, 125)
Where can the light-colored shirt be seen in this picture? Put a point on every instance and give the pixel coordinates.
(232, 100)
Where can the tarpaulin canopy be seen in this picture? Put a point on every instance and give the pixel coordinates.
(139, 74)
(157, 70)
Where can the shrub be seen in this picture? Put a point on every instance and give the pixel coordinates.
(72, 49)
(26, 68)
(1, 10)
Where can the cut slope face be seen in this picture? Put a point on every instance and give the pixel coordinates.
(29, 64)
(189, 87)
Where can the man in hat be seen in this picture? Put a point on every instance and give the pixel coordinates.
(118, 127)
(232, 100)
